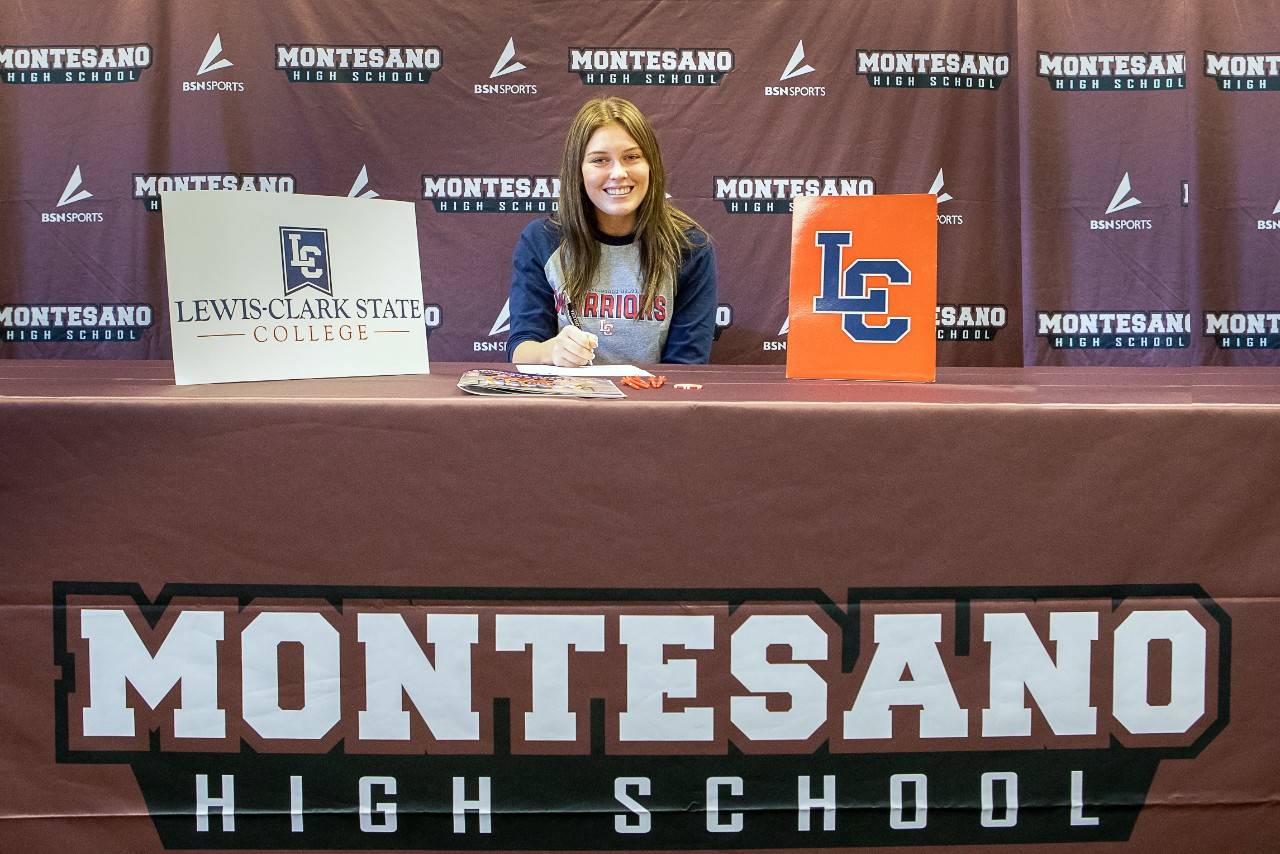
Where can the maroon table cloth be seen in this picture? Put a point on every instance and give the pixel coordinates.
(1042, 493)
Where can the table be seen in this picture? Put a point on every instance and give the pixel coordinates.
(840, 506)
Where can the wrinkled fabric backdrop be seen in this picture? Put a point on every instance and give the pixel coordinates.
(1155, 194)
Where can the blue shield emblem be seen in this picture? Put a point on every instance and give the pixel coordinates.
(304, 252)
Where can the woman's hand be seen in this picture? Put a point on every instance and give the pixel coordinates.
(572, 348)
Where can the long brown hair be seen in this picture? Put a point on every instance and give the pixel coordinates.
(660, 226)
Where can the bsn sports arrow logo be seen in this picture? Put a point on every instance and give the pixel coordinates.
(503, 323)
(212, 62)
(794, 67)
(358, 190)
(1119, 201)
(936, 189)
(72, 193)
(505, 65)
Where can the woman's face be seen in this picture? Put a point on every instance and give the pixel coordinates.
(616, 177)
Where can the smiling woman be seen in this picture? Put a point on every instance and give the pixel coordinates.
(619, 274)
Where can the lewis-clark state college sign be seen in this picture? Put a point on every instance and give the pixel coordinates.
(274, 717)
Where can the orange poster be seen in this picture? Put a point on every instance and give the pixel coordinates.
(864, 288)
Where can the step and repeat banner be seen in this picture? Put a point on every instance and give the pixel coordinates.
(1105, 181)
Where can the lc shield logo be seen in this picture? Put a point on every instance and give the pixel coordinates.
(304, 253)
(863, 288)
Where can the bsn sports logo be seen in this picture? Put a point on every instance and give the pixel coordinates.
(1112, 72)
(501, 326)
(304, 255)
(924, 717)
(936, 188)
(849, 293)
(937, 69)
(369, 63)
(1243, 330)
(492, 193)
(104, 63)
(1272, 224)
(360, 187)
(777, 343)
(213, 61)
(1243, 72)
(612, 66)
(72, 193)
(506, 64)
(796, 67)
(92, 322)
(1115, 330)
(760, 194)
(1121, 200)
(970, 322)
(149, 186)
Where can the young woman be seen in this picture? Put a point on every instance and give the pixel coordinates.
(618, 275)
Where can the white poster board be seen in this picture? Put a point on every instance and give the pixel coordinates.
(271, 286)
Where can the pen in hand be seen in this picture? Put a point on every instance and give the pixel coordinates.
(573, 318)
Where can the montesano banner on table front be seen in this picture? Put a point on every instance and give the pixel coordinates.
(864, 287)
(281, 717)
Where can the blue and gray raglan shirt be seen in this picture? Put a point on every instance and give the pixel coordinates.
(678, 329)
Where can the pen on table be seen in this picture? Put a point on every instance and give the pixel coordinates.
(573, 318)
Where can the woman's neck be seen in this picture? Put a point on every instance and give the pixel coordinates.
(615, 226)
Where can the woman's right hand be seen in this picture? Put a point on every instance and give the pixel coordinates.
(573, 347)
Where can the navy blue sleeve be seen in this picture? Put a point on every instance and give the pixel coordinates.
(532, 302)
(693, 323)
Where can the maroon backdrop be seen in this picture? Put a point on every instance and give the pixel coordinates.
(1146, 203)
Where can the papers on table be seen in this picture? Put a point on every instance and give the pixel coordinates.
(490, 382)
(588, 371)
